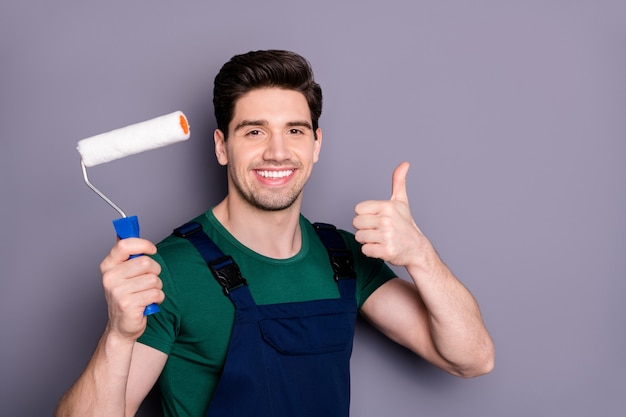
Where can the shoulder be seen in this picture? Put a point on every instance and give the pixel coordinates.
(177, 255)
(365, 267)
(309, 232)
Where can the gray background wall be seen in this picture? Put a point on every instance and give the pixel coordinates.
(511, 113)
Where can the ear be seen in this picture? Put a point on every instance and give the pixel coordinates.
(220, 147)
(317, 145)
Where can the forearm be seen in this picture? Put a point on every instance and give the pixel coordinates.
(456, 326)
(101, 388)
(438, 318)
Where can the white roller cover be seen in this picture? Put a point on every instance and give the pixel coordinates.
(144, 136)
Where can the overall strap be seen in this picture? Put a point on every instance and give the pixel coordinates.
(228, 275)
(340, 257)
(223, 267)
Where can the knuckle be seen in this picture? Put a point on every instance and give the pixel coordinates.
(107, 279)
(117, 294)
(122, 247)
(157, 295)
(144, 262)
(153, 281)
(125, 304)
(385, 221)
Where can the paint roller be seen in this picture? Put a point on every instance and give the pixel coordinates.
(140, 137)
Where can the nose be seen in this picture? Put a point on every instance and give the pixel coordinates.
(277, 149)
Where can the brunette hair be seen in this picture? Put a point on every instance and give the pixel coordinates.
(262, 69)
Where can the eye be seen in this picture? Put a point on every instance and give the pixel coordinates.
(254, 132)
(295, 131)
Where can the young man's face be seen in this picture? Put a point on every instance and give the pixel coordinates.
(271, 148)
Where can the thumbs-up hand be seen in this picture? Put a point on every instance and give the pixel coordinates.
(386, 228)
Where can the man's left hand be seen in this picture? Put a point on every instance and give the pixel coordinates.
(386, 227)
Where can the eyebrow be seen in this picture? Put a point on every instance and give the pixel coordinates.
(300, 123)
(295, 123)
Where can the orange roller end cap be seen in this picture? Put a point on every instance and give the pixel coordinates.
(184, 124)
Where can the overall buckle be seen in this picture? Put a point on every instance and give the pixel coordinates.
(227, 274)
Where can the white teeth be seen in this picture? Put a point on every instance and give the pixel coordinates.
(275, 174)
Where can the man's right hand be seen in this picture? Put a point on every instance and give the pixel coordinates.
(130, 285)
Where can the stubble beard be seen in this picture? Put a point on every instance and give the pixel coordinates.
(280, 199)
(273, 202)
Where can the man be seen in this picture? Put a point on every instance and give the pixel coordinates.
(279, 343)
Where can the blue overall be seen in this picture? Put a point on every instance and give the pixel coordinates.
(288, 359)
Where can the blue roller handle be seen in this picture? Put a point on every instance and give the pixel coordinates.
(129, 227)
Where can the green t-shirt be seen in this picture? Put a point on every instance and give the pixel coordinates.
(196, 318)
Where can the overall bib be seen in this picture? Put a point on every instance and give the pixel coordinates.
(288, 359)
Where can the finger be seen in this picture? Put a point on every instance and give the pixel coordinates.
(123, 250)
(368, 221)
(129, 301)
(125, 274)
(375, 250)
(370, 250)
(398, 182)
(141, 265)
(135, 285)
(365, 236)
(367, 207)
(125, 293)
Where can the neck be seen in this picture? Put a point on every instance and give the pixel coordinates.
(275, 234)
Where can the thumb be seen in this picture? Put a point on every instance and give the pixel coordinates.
(398, 182)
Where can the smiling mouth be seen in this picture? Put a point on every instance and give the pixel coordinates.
(274, 174)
